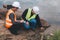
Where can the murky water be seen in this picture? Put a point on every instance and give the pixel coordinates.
(49, 9)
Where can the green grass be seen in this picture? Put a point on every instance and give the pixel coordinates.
(55, 36)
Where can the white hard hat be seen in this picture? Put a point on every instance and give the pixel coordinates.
(16, 4)
(36, 9)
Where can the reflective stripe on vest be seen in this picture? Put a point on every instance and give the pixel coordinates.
(29, 14)
(8, 23)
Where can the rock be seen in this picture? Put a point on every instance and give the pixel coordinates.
(45, 24)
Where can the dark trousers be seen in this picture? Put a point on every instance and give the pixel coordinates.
(15, 28)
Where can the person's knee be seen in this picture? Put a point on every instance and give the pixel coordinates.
(26, 26)
(33, 21)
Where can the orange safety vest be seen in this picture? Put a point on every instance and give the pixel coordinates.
(8, 22)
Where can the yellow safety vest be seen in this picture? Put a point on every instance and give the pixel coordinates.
(29, 14)
(8, 22)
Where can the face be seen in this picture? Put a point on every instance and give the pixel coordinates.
(15, 8)
(33, 11)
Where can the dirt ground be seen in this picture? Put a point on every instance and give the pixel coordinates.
(24, 34)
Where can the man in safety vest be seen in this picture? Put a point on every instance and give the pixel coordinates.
(31, 18)
(11, 23)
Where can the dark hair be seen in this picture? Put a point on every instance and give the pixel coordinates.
(9, 6)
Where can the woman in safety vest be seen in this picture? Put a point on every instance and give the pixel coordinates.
(11, 23)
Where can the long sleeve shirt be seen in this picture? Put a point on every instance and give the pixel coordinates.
(11, 16)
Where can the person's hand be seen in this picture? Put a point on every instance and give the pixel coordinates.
(21, 21)
(27, 23)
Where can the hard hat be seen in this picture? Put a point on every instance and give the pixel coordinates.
(36, 9)
(16, 4)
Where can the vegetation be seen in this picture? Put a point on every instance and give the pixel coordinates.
(54, 36)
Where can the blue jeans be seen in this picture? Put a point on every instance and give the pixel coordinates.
(32, 24)
(26, 26)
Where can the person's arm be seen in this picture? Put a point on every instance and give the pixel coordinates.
(11, 16)
(38, 21)
(24, 14)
